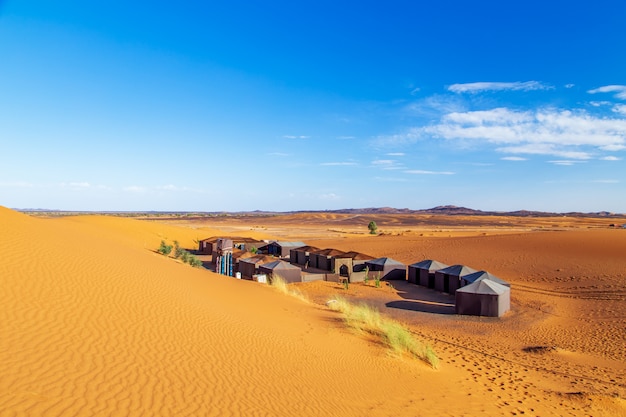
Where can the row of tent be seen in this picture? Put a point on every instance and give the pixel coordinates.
(476, 292)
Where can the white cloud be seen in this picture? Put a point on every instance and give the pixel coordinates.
(563, 133)
(296, 137)
(600, 103)
(345, 137)
(565, 162)
(569, 85)
(605, 181)
(611, 158)
(422, 172)
(497, 86)
(387, 164)
(619, 90)
(338, 164)
(415, 91)
(329, 196)
(513, 158)
(396, 154)
(620, 108)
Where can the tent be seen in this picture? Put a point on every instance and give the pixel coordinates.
(249, 266)
(449, 279)
(423, 273)
(281, 249)
(390, 268)
(480, 275)
(483, 298)
(285, 270)
(321, 259)
(301, 255)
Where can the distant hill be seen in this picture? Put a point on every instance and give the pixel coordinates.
(447, 210)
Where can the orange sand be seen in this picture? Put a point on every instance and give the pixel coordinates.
(94, 322)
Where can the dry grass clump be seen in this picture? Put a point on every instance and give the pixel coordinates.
(369, 320)
(279, 283)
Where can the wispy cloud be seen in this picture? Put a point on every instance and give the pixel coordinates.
(605, 181)
(422, 172)
(335, 164)
(345, 137)
(566, 162)
(390, 179)
(387, 164)
(619, 90)
(395, 154)
(415, 91)
(479, 87)
(135, 189)
(569, 85)
(564, 133)
(329, 196)
(611, 158)
(513, 158)
(620, 108)
(296, 137)
(277, 154)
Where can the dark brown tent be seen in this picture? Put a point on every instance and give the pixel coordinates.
(449, 279)
(281, 249)
(390, 269)
(483, 298)
(249, 266)
(323, 258)
(285, 270)
(423, 273)
(300, 256)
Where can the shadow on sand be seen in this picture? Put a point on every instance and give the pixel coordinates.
(421, 299)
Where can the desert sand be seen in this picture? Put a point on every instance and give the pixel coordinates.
(95, 322)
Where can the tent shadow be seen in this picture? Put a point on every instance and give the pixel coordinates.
(422, 306)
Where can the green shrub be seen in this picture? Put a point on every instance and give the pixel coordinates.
(178, 251)
(194, 261)
(164, 249)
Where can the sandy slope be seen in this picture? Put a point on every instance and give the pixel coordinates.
(93, 322)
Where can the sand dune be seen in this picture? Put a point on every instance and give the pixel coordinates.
(94, 322)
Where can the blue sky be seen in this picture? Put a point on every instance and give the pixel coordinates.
(313, 105)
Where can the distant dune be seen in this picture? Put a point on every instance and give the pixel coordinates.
(95, 322)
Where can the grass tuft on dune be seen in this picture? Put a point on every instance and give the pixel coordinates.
(364, 318)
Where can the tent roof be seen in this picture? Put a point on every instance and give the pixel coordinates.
(290, 244)
(458, 270)
(481, 275)
(235, 239)
(384, 261)
(307, 248)
(329, 252)
(257, 259)
(279, 265)
(484, 286)
(429, 264)
(357, 256)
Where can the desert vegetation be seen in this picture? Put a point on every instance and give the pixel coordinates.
(366, 319)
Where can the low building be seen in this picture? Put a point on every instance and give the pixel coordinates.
(250, 266)
(288, 272)
(483, 298)
(281, 249)
(448, 279)
(350, 265)
(386, 268)
(423, 273)
(322, 259)
(481, 275)
(300, 256)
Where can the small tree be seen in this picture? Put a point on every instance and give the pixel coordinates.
(178, 251)
(254, 250)
(164, 249)
(372, 227)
